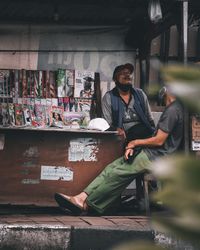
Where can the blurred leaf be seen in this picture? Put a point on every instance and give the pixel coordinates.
(175, 72)
(181, 193)
(184, 82)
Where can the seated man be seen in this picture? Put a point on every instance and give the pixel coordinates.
(126, 108)
(100, 194)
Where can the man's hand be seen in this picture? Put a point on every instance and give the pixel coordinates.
(129, 149)
(128, 153)
(131, 145)
(121, 132)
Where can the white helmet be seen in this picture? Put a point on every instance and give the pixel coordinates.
(98, 124)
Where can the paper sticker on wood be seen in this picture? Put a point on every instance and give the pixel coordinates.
(56, 173)
(83, 149)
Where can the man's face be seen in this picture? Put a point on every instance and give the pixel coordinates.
(87, 85)
(124, 76)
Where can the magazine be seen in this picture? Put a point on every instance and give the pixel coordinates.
(84, 84)
(40, 120)
(5, 115)
(52, 84)
(56, 116)
(11, 111)
(69, 82)
(4, 83)
(27, 115)
(19, 120)
(16, 83)
(24, 83)
(61, 83)
(37, 83)
(65, 82)
(73, 119)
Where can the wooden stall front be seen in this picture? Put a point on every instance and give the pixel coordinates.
(37, 163)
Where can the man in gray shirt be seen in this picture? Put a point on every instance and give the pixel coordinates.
(108, 186)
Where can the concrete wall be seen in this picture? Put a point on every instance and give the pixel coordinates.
(97, 49)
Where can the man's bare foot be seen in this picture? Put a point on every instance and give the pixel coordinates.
(80, 200)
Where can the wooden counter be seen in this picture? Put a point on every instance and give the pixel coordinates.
(36, 163)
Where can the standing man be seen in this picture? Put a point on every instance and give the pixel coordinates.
(100, 194)
(125, 108)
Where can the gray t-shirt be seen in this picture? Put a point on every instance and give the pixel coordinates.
(130, 117)
(171, 122)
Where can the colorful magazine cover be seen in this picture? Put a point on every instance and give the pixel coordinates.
(61, 83)
(32, 114)
(16, 82)
(84, 84)
(27, 115)
(24, 84)
(47, 84)
(37, 84)
(19, 83)
(28, 81)
(40, 120)
(66, 103)
(32, 83)
(69, 82)
(73, 104)
(19, 119)
(4, 83)
(65, 82)
(11, 111)
(57, 116)
(52, 84)
(48, 114)
(12, 83)
(5, 115)
(73, 119)
(43, 81)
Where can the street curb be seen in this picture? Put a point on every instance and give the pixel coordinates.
(49, 237)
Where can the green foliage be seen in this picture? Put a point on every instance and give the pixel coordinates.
(173, 73)
(180, 176)
(184, 82)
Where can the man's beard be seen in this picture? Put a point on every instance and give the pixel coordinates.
(124, 87)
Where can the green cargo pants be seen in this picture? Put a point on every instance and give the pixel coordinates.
(108, 186)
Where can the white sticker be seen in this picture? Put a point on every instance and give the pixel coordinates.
(30, 181)
(196, 145)
(56, 173)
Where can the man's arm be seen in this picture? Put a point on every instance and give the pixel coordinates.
(155, 141)
(107, 113)
(106, 108)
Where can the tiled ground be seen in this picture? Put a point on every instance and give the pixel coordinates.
(54, 229)
(139, 222)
